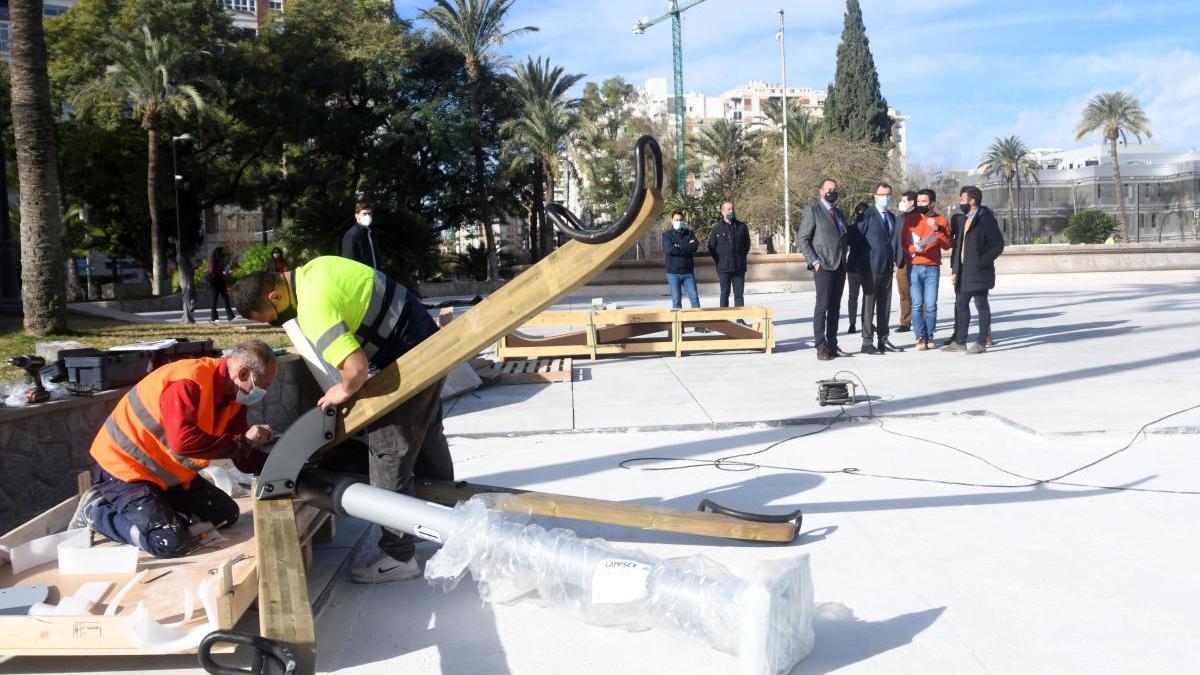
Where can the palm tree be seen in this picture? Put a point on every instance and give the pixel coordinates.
(541, 128)
(141, 76)
(474, 27)
(730, 146)
(1009, 159)
(1115, 114)
(802, 126)
(43, 297)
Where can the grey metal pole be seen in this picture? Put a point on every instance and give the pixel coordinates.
(787, 211)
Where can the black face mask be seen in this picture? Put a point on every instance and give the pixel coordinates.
(965, 208)
(922, 209)
(831, 196)
(282, 317)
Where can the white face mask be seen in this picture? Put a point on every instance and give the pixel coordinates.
(677, 224)
(365, 220)
(255, 395)
(882, 201)
(904, 207)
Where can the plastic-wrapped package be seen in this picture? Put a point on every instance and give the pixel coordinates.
(766, 621)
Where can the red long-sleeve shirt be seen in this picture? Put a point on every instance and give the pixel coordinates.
(179, 403)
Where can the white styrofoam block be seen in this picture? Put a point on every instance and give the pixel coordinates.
(39, 551)
(76, 557)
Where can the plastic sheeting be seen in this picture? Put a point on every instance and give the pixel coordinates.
(766, 621)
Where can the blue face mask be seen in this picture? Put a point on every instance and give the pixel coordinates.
(883, 202)
(255, 395)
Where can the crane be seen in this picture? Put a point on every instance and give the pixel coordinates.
(674, 9)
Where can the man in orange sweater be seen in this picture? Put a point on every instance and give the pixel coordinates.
(925, 235)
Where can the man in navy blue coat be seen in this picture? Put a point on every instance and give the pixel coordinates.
(874, 254)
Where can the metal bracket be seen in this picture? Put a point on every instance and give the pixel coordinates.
(313, 431)
(795, 518)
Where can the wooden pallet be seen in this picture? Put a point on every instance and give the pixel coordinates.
(530, 371)
(235, 562)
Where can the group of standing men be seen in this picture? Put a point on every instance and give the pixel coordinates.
(877, 246)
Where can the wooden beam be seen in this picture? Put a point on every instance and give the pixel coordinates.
(535, 289)
(284, 612)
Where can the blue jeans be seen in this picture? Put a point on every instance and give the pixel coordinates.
(688, 281)
(923, 289)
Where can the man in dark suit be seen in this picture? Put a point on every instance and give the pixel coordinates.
(976, 243)
(874, 251)
(823, 238)
(357, 242)
(729, 244)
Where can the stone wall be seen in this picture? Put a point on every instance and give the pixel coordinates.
(43, 447)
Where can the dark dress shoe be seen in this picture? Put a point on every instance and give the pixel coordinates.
(903, 329)
(870, 349)
(823, 355)
(885, 345)
(838, 352)
(852, 330)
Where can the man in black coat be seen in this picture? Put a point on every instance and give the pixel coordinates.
(874, 254)
(729, 244)
(679, 246)
(977, 242)
(824, 237)
(357, 242)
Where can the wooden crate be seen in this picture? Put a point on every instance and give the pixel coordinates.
(596, 332)
(234, 561)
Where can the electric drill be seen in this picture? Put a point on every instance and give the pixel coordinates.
(32, 365)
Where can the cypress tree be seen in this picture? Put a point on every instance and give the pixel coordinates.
(854, 108)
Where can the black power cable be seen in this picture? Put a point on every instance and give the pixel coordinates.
(734, 463)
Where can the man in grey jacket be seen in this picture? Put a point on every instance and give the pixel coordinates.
(823, 239)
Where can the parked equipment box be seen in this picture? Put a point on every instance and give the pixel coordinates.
(92, 370)
(183, 349)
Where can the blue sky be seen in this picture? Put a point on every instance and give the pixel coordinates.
(964, 71)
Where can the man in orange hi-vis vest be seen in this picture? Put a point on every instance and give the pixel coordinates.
(146, 490)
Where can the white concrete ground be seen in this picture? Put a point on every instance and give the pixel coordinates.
(976, 573)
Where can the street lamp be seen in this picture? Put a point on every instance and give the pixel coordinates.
(185, 288)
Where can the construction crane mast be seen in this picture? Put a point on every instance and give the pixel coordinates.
(674, 10)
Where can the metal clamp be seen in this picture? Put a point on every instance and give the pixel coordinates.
(795, 517)
(270, 657)
(569, 224)
(308, 434)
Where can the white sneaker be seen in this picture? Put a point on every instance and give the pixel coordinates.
(83, 510)
(383, 568)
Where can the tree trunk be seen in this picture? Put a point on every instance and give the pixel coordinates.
(547, 232)
(74, 287)
(481, 191)
(43, 296)
(158, 259)
(537, 216)
(1123, 231)
(1012, 223)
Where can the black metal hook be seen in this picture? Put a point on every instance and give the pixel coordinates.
(269, 657)
(569, 224)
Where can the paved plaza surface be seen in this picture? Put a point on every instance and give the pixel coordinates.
(934, 547)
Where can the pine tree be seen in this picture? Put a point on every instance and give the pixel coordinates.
(854, 108)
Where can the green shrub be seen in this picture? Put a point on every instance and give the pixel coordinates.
(198, 277)
(1091, 226)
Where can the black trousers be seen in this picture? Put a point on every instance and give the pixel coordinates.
(738, 282)
(157, 520)
(962, 315)
(219, 291)
(407, 441)
(828, 307)
(876, 307)
(854, 281)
